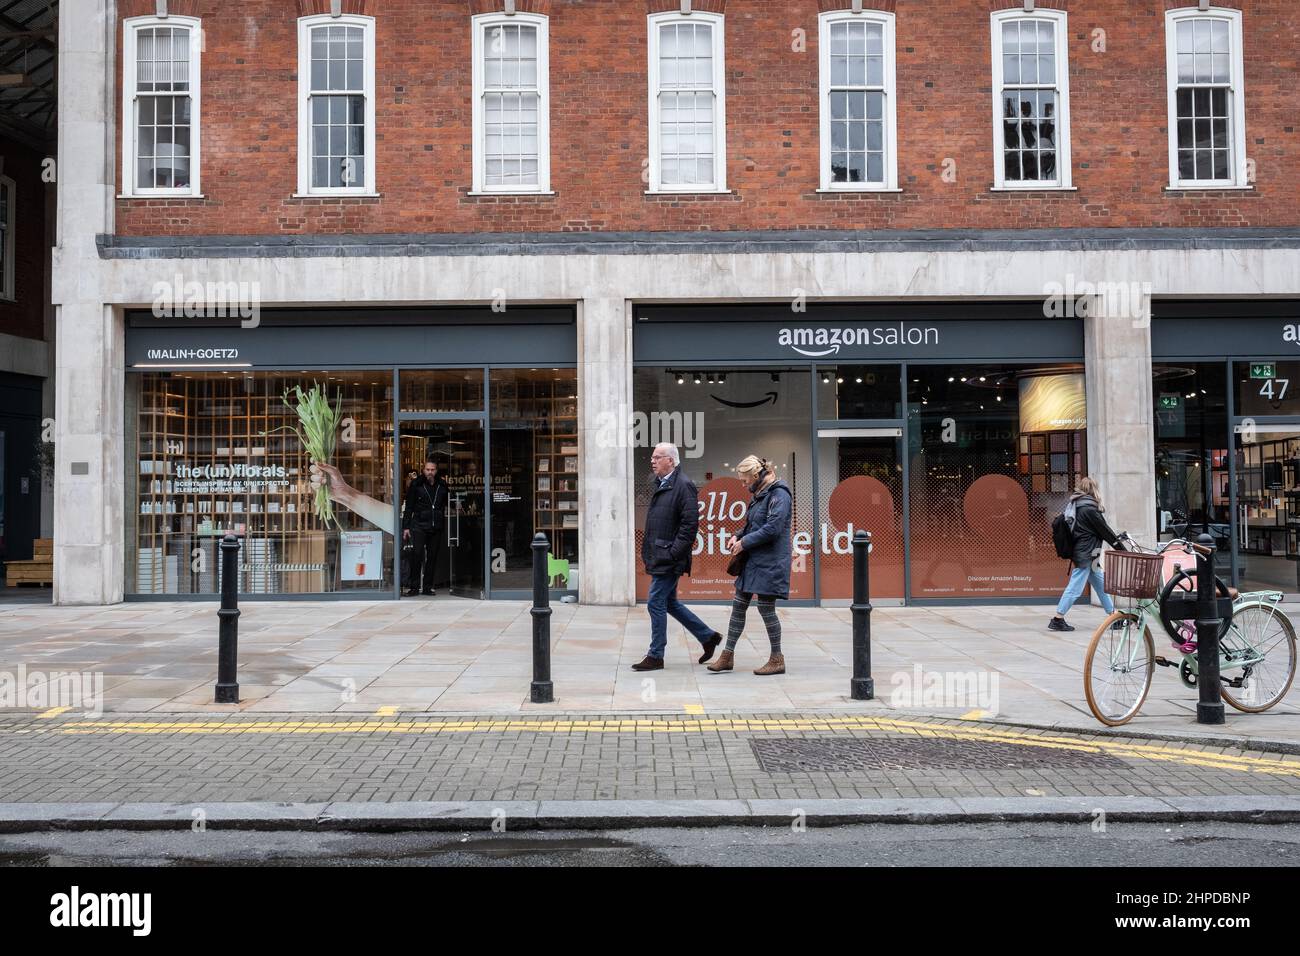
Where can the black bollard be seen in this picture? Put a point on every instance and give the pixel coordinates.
(228, 641)
(1209, 709)
(543, 692)
(863, 687)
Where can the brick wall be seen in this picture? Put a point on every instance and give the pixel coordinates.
(599, 116)
(25, 315)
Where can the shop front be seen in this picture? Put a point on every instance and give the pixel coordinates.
(1226, 391)
(302, 436)
(952, 433)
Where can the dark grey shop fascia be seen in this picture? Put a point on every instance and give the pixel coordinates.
(356, 338)
(1256, 328)
(848, 332)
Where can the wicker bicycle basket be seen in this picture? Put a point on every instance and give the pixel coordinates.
(1133, 575)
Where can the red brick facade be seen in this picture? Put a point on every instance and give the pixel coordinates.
(599, 114)
(25, 314)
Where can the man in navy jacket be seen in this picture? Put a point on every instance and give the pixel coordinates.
(671, 522)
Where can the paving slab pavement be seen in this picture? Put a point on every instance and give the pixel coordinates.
(452, 656)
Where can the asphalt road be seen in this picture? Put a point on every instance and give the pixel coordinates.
(1003, 845)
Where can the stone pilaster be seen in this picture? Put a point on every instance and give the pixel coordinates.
(607, 542)
(88, 484)
(1121, 430)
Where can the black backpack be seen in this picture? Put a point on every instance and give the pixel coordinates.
(1063, 532)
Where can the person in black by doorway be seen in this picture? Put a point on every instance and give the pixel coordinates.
(424, 514)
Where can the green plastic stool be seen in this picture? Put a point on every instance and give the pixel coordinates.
(557, 568)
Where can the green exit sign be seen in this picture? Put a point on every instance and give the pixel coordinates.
(1262, 370)
(1170, 401)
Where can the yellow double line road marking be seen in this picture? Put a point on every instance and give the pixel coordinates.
(1160, 751)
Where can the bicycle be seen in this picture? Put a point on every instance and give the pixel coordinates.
(1254, 642)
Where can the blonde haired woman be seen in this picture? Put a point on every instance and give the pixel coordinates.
(765, 543)
(1089, 529)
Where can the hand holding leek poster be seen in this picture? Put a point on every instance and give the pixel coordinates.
(317, 430)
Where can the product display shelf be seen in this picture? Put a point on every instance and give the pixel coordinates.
(555, 468)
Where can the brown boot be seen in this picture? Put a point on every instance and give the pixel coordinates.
(775, 665)
(725, 662)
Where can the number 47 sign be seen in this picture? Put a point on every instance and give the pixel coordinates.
(1274, 389)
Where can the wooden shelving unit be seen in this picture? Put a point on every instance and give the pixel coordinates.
(555, 469)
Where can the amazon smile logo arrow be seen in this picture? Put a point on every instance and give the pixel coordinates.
(771, 397)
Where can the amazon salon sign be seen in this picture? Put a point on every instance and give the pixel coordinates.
(821, 342)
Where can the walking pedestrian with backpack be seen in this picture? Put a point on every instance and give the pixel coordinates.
(1078, 533)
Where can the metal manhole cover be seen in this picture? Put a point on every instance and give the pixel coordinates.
(839, 754)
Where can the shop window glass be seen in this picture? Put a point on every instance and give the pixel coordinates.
(441, 390)
(535, 474)
(994, 453)
(1191, 446)
(859, 392)
(716, 418)
(211, 453)
(1266, 388)
(1268, 503)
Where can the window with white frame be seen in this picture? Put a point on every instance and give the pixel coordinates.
(1207, 129)
(7, 237)
(687, 103)
(336, 116)
(1031, 87)
(858, 115)
(160, 90)
(511, 104)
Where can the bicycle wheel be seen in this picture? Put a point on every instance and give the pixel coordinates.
(1117, 669)
(1264, 630)
(1187, 582)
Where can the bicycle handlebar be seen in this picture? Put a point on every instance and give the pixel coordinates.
(1125, 537)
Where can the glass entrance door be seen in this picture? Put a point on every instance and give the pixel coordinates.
(1266, 521)
(458, 447)
(860, 485)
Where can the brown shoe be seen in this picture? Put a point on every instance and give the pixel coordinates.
(649, 664)
(775, 665)
(725, 662)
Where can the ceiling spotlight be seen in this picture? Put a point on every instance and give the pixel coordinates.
(697, 378)
(826, 379)
(981, 378)
(681, 379)
(951, 379)
(722, 379)
(858, 380)
(963, 378)
(839, 381)
(776, 376)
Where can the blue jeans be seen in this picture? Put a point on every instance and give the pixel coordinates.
(662, 602)
(1078, 577)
